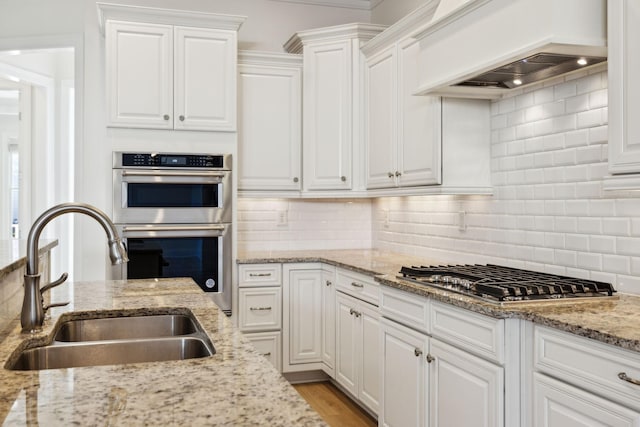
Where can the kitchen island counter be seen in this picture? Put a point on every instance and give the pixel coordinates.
(236, 386)
(611, 320)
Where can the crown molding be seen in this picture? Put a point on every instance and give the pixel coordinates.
(347, 4)
(254, 57)
(361, 31)
(153, 15)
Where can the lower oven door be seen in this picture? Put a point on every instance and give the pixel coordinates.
(201, 251)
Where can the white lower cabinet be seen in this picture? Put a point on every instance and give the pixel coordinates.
(268, 344)
(329, 320)
(427, 380)
(357, 359)
(302, 317)
(404, 375)
(557, 404)
(582, 382)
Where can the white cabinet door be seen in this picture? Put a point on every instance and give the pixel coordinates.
(270, 127)
(369, 384)
(139, 75)
(557, 404)
(456, 377)
(624, 87)
(303, 317)
(329, 320)
(381, 117)
(419, 124)
(403, 400)
(327, 116)
(205, 83)
(347, 343)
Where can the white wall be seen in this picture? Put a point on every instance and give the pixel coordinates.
(389, 12)
(549, 211)
(311, 224)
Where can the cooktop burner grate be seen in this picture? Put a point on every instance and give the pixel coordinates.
(496, 283)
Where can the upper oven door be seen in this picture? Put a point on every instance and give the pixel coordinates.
(153, 196)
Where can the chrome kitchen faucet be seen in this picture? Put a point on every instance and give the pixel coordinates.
(32, 315)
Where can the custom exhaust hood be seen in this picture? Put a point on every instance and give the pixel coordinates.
(485, 48)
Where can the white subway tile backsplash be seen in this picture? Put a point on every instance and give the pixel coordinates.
(565, 90)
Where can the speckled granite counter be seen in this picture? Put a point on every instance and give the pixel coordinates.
(613, 321)
(234, 387)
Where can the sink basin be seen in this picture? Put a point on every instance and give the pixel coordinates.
(65, 355)
(118, 340)
(118, 328)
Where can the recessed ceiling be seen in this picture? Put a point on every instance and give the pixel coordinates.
(349, 4)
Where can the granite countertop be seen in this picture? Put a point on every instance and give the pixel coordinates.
(612, 320)
(236, 386)
(13, 254)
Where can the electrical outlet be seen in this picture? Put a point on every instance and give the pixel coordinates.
(462, 221)
(283, 218)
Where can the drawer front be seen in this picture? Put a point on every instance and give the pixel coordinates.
(478, 334)
(260, 309)
(268, 344)
(358, 285)
(589, 364)
(408, 309)
(252, 275)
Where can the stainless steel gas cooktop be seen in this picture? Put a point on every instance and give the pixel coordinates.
(498, 284)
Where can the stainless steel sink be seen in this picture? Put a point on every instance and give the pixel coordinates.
(118, 340)
(117, 352)
(118, 328)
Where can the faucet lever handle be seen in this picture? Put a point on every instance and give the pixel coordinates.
(55, 283)
(55, 304)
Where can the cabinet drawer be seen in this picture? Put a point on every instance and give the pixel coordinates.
(408, 309)
(260, 309)
(251, 275)
(588, 364)
(267, 344)
(478, 334)
(358, 285)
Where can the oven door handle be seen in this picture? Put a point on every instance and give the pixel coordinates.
(175, 228)
(126, 172)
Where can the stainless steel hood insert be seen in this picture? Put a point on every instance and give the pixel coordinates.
(531, 69)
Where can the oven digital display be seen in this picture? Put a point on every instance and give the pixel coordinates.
(173, 161)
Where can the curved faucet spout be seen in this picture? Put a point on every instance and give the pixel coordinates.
(32, 315)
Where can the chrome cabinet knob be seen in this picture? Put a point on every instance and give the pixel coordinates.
(166, 117)
(390, 174)
(181, 118)
(343, 178)
(430, 358)
(417, 352)
(398, 173)
(295, 179)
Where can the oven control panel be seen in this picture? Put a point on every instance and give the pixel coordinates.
(159, 160)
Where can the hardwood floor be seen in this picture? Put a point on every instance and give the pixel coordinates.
(334, 406)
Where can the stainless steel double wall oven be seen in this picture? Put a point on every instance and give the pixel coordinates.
(174, 213)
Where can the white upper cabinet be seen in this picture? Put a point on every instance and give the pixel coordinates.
(139, 75)
(332, 113)
(269, 122)
(170, 70)
(624, 94)
(415, 144)
(403, 131)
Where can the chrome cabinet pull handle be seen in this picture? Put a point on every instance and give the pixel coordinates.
(430, 358)
(417, 352)
(259, 274)
(173, 174)
(266, 354)
(624, 377)
(357, 285)
(259, 308)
